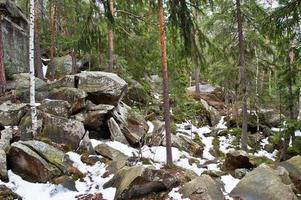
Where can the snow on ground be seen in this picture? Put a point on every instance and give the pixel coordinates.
(201, 133)
(93, 183)
(175, 195)
(229, 182)
(222, 124)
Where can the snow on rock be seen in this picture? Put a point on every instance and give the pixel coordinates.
(150, 127)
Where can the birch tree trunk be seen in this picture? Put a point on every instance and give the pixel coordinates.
(2, 67)
(111, 40)
(31, 69)
(242, 81)
(165, 85)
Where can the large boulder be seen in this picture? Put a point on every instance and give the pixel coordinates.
(3, 166)
(183, 142)
(22, 81)
(8, 194)
(271, 117)
(135, 182)
(11, 113)
(56, 107)
(263, 183)
(293, 166)
(30, 165)
(58, 129)
(52, 155)
(202, 187)
(102, 87)
(123, 178)
(93, 118)
(237, 159)
(109, 152)
(59, 67)
(136, 94)
(74, 96)
(132, 125)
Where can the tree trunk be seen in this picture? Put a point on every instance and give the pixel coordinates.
(165, 85)
(256, 90)
(111, 40)
(31, 69)
(197, 78)
(52, 12)
(73, 58)
(290, 102)
(242, 81)
(37, 58)
(2, 67)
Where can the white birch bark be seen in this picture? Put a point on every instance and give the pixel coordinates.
(31, 69)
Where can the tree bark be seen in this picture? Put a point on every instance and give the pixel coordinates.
(165, 85)
(2, 67)
(73, 58)
(290, 102)
(31, 69)
(52, 12)
(242, 79)
(111, 40)
(37, 58)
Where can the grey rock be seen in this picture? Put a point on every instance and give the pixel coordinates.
(11, 113)
(56, 107)
(263, 183)
(29, 165)
(203, 187)
(109, 152)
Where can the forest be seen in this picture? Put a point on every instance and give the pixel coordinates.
(150, 99)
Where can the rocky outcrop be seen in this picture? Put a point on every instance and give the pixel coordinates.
(11, 113)
(263, 183)
(203, 187)
(237, 159)
(8, 194)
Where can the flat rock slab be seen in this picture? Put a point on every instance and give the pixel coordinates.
(109, 152)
